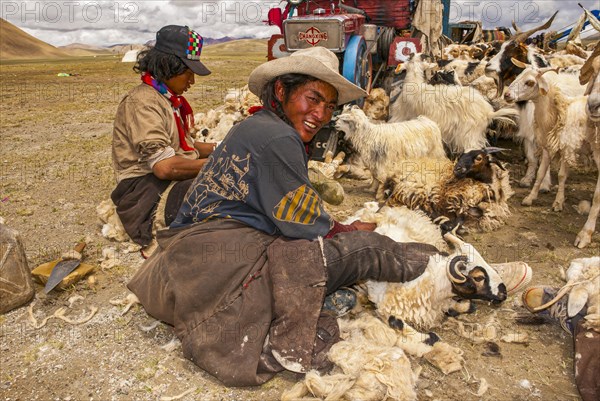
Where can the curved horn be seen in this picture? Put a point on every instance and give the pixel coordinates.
(453, 269)
(515, 27)
(519, 63)
(499, 86)
(542, 71)
(493, 149)
(587, 71)
(561, 293)
(453, 240)
(521, 36)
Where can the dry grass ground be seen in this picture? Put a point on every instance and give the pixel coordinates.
(55, 168)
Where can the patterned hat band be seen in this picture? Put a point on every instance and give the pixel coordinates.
(184, 43)
(194, 48)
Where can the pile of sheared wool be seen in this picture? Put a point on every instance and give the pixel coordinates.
(371, 364)
(214, 125)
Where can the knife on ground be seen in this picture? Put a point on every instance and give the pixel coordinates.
(62, 269)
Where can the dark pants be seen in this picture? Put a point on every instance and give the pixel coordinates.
(136, 200)
(361, 255)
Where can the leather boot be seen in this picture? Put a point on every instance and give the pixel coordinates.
(361, 255)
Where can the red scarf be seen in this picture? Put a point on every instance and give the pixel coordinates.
(182, 111)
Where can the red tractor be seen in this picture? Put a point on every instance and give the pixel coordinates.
(370, 37)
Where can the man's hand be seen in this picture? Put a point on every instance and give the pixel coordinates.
(362, 226)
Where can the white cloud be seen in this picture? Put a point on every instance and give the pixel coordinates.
(109, 22)
(526, 14)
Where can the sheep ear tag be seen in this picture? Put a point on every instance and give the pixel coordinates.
(577, 299)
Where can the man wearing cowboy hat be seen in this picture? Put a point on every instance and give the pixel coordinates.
(243, 271)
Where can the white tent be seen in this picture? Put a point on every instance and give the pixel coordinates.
(130, 56)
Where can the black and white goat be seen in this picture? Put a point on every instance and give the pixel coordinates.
(473, 192)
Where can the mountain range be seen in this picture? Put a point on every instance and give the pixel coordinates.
(18, 44)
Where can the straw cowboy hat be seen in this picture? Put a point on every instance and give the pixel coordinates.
(317, 62)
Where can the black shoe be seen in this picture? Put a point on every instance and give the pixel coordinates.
(340, 302)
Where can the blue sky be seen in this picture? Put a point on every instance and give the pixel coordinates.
(110, 22)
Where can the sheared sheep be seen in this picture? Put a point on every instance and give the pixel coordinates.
(423, 301)
(382, 145)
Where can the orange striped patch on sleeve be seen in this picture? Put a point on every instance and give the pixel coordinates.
(300, 206)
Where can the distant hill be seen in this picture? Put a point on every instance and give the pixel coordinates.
(82, 49)
(238, 46)
(207, 41)
(17, 44)
(211, 41)
(123, 48)
(225, 44)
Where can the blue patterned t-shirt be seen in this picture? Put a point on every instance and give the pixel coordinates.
(258, 175)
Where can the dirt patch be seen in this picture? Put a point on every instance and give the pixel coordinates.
(55, 169)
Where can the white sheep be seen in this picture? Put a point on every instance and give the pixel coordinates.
(461, 112)
(382, 145)
(371, 362)
(401, 224)
(559, 125)
(590, 73)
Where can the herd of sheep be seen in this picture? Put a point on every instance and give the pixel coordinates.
(425, 147)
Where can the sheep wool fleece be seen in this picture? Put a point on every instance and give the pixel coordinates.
(236, 297)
